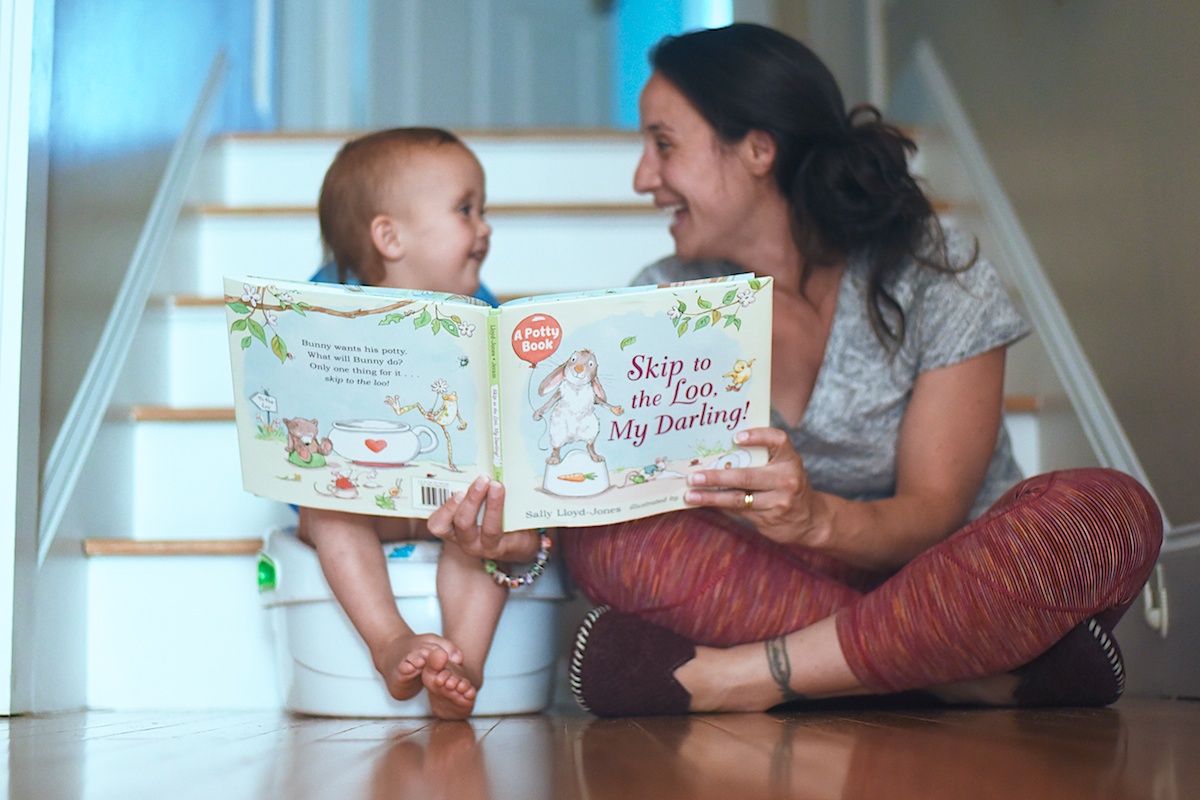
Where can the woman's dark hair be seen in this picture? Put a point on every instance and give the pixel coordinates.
(845, 175)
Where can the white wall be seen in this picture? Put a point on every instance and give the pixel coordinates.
(18, 465)
(1090, 114)
(455, 63)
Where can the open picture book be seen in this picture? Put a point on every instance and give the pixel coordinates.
(590, 407)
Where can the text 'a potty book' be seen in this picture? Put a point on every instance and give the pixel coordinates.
(590, 407)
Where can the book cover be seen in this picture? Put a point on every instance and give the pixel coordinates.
(591, 407)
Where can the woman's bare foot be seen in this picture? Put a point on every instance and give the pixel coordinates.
(451, 690)
(404, 659)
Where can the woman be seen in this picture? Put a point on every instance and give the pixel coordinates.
(887, 545)
(887, 387)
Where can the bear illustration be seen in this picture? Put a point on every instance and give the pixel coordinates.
(305, 448)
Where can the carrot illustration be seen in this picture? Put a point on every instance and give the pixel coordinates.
(578, 477)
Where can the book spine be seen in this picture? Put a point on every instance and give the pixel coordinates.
(493, 334)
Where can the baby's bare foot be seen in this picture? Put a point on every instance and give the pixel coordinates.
(451, 690)
(405, 658)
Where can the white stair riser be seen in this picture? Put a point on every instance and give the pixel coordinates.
(178, 632)
(940, 167)
(275, 246)
(533, 254)
(199, 373)
(145, 377)
(1025, 431)
(188, 485)
(261, 173)
(179, 358)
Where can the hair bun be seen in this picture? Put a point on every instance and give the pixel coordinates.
(857, 184)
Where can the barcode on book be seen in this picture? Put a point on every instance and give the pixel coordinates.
(429, 494)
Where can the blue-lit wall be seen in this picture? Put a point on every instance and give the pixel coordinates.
(639, 26)
(127, 72)
(124, 76)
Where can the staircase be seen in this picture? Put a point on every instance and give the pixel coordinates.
(172, 593)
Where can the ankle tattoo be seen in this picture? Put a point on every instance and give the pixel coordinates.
(781, 669)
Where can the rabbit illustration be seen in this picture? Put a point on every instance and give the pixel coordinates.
(577, 392)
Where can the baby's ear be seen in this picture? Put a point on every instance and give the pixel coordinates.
(385, 235)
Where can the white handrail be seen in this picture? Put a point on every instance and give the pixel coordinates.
(82, 422)
(1096, 415)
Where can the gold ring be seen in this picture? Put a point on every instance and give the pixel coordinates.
(748, 499)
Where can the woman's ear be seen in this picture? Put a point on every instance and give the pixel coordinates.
(758, 150)
(385, 235)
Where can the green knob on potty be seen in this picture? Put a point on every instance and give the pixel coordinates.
(266, 573)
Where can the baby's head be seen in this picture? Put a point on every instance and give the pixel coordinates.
(404, 208)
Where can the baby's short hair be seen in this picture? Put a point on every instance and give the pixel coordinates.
(354, 191)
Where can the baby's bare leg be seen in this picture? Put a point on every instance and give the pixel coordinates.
(471, 604)
(356, 570)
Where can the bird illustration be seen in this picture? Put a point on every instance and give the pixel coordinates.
(740, 373)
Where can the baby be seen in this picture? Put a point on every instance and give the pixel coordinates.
(404, 208)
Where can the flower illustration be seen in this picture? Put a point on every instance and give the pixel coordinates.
(439, 386)
(252, 296)
(745, 297)
(673, 312)
(466, 329)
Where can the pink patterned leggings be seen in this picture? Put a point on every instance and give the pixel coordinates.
(1052, 552)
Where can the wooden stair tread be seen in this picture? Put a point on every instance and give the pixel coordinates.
(497, 134)
(632, 208)
(1013, 404)
(156, 413)
(172, 547)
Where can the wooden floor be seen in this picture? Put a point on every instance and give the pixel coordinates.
(1145, 749)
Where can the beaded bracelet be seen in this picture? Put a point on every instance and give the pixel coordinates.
(513, 581)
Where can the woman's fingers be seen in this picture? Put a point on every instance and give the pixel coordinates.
(454, 519)
(780, 471)
(491, 528)
(738, 500)
(441, 521)
(466, 516)
(473, 519)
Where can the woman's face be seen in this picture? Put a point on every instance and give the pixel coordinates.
(709, 186)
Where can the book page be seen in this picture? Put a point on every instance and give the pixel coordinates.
(365, 400)
(608, 401)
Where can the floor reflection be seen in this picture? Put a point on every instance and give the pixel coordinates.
(443, 762)
(478, 760)
(1144, 751)
(817, 756)
(946, 754)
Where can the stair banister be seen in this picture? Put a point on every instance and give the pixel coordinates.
(83, 419)
(1096, 415)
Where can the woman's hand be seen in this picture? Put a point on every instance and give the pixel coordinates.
(460, 522)
(776, 498)
(946, 442)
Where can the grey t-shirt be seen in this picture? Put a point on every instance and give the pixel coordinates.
(850, 430)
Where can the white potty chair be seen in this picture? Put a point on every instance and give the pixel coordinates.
(326, 669)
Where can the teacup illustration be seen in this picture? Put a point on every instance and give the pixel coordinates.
(380, 442)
